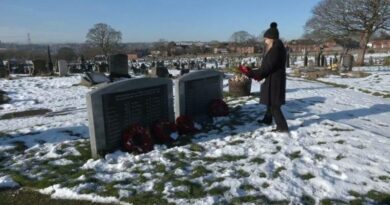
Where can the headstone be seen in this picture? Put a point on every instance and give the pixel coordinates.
(347, 63)
(62, 67)
(119, 66)
(39, 67)
(162, 72)
(96, 78)
(113, 107)
(305, 59)
(2, 69)
(103, 67)
(195, 91)
(184, 71)
(50, 63)
(323, 59)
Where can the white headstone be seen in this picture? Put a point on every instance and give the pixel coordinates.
(62, 67)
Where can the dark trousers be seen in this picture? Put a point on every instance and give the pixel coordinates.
(276, 113)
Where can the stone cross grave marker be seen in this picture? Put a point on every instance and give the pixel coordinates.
(195, 92)
(113, 107)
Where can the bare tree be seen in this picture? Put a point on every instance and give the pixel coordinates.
(104, 37)
(343, 18)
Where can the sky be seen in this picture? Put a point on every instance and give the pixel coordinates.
(68, 21)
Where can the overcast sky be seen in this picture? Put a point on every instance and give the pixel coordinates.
(51, 21)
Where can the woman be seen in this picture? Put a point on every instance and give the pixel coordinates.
(273, 70)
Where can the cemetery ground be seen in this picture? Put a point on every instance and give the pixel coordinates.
(337, 151)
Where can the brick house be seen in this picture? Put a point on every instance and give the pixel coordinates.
(380, 44)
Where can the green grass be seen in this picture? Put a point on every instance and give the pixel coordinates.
(159, 186)
(333, 84)
(278, 148)
(242, 173)
(147, 198)
(319, 157)
(333, 202)
(336, 129)
(210, 181)
(340, 157)
(295, 155)
(340, 141)
(224, 158)
(27, 196)
(219, 190)
(3, 134)
(307, 200)
(179, 164)
(247, 187)
(384, 178)
(257, 160)
(379, 197)
(200, 171)
(194, 190)
(109, 190)
(354, 193)
(276, 173)
(263, 175)
(236, 142)
(196, 148)
(158, 167)
(27, 113)
(265, 185)
(307, 176)
(19, 146)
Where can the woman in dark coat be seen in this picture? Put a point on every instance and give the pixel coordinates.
(273, 70)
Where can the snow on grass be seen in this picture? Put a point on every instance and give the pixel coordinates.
(337, 149)
(374, 84)
(7, 182)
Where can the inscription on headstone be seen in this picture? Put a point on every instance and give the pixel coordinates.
(195, 91)
(112, 108)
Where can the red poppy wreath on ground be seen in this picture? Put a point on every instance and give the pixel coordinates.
(218, 108)
(162, 130)
(137, 139)
(185, 125)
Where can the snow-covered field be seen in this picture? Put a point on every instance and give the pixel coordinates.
(377, 83)
(338, 149)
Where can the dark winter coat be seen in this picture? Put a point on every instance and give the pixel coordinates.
(273, 70)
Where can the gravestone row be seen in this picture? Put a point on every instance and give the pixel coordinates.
(113, 107)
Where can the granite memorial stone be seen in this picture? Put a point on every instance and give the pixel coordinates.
(195, 92)
(112, 108)
(119, 66)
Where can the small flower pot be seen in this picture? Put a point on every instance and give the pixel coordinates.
(240, 86)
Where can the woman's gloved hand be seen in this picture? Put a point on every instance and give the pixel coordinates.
(249, 73)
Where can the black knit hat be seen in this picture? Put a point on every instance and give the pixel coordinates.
(272, 32)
